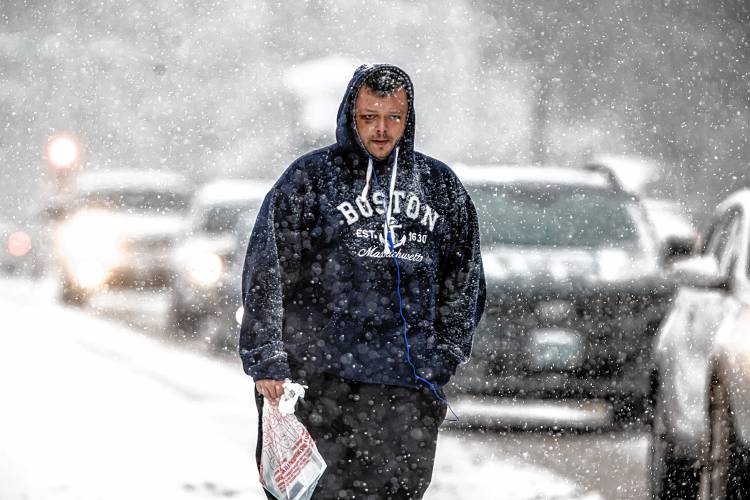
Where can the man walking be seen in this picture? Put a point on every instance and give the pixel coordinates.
(363, 280)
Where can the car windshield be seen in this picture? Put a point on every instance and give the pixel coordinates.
(137, 201)
(220, 219)
(553, 216)
(246, 222)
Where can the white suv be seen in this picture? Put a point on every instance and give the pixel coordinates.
(119, 229)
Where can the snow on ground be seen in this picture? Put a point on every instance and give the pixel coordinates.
(92, 409)
(467, 470)
(95, 410)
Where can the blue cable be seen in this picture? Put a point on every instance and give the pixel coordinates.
(401, 311)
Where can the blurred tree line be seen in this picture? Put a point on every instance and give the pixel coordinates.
(198, 86)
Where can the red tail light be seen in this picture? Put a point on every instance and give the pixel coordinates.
(19, 243)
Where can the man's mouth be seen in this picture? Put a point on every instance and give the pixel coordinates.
(381, 142)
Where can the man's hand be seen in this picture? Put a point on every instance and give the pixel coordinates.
(270, 389)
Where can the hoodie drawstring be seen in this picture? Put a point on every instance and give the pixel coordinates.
(367, 179)
(387, 231)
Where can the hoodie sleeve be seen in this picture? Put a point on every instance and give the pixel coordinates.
(461, 294)
(273, 249)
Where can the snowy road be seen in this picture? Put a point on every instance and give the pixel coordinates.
(93, 408)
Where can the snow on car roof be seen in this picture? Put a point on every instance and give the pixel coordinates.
(131, 179)
(515, 174)
(232, 190)
(741, 197)
(633, 172)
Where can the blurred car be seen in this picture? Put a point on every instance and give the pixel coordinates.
(119, 228)
(206, 292)
(22, 249)
(701, 378)
(575, 291)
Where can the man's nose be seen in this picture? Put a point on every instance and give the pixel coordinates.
(381, 125)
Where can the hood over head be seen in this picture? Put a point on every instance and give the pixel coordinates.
(347, 137)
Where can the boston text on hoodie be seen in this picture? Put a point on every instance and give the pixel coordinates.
(319, 280)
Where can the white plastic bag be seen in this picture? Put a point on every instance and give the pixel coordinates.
(290, 464)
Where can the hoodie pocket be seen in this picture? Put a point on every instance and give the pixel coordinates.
(432, 363)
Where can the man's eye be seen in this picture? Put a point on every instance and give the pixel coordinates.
(396, 118)
(368, 117)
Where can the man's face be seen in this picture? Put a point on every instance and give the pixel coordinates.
(380, 120)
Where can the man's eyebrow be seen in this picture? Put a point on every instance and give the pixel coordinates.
(391, 111)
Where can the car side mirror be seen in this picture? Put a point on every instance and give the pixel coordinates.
(701, 271)
(676, 248)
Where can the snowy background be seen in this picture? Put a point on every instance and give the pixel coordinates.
(213, 88)
(97, 404)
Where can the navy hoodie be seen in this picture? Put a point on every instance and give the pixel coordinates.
(319, 279)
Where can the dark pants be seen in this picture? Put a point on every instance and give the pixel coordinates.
(378, 441)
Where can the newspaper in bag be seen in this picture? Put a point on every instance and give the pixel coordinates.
(290, 464)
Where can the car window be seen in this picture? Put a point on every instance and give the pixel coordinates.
(722, 240)
(219, 219)
(555, 216)
(247, 221)
(717, 237)
(732, 249)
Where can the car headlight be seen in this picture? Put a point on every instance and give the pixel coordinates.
(613, 264)
(239, 314)
(618, 265)
(90, 247)
(205, 268)
(494, 267)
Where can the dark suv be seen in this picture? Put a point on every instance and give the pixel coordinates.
(575, 289)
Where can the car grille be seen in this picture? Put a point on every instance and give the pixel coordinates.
(615, 330)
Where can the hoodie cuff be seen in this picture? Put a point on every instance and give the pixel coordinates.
(267, 362)
(441, 367)
(451, 354)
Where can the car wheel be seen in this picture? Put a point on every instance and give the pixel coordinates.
(633, 411)
(726, 474)
(182, 325)
(210, 331)
(71, 294)
(670, 477)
